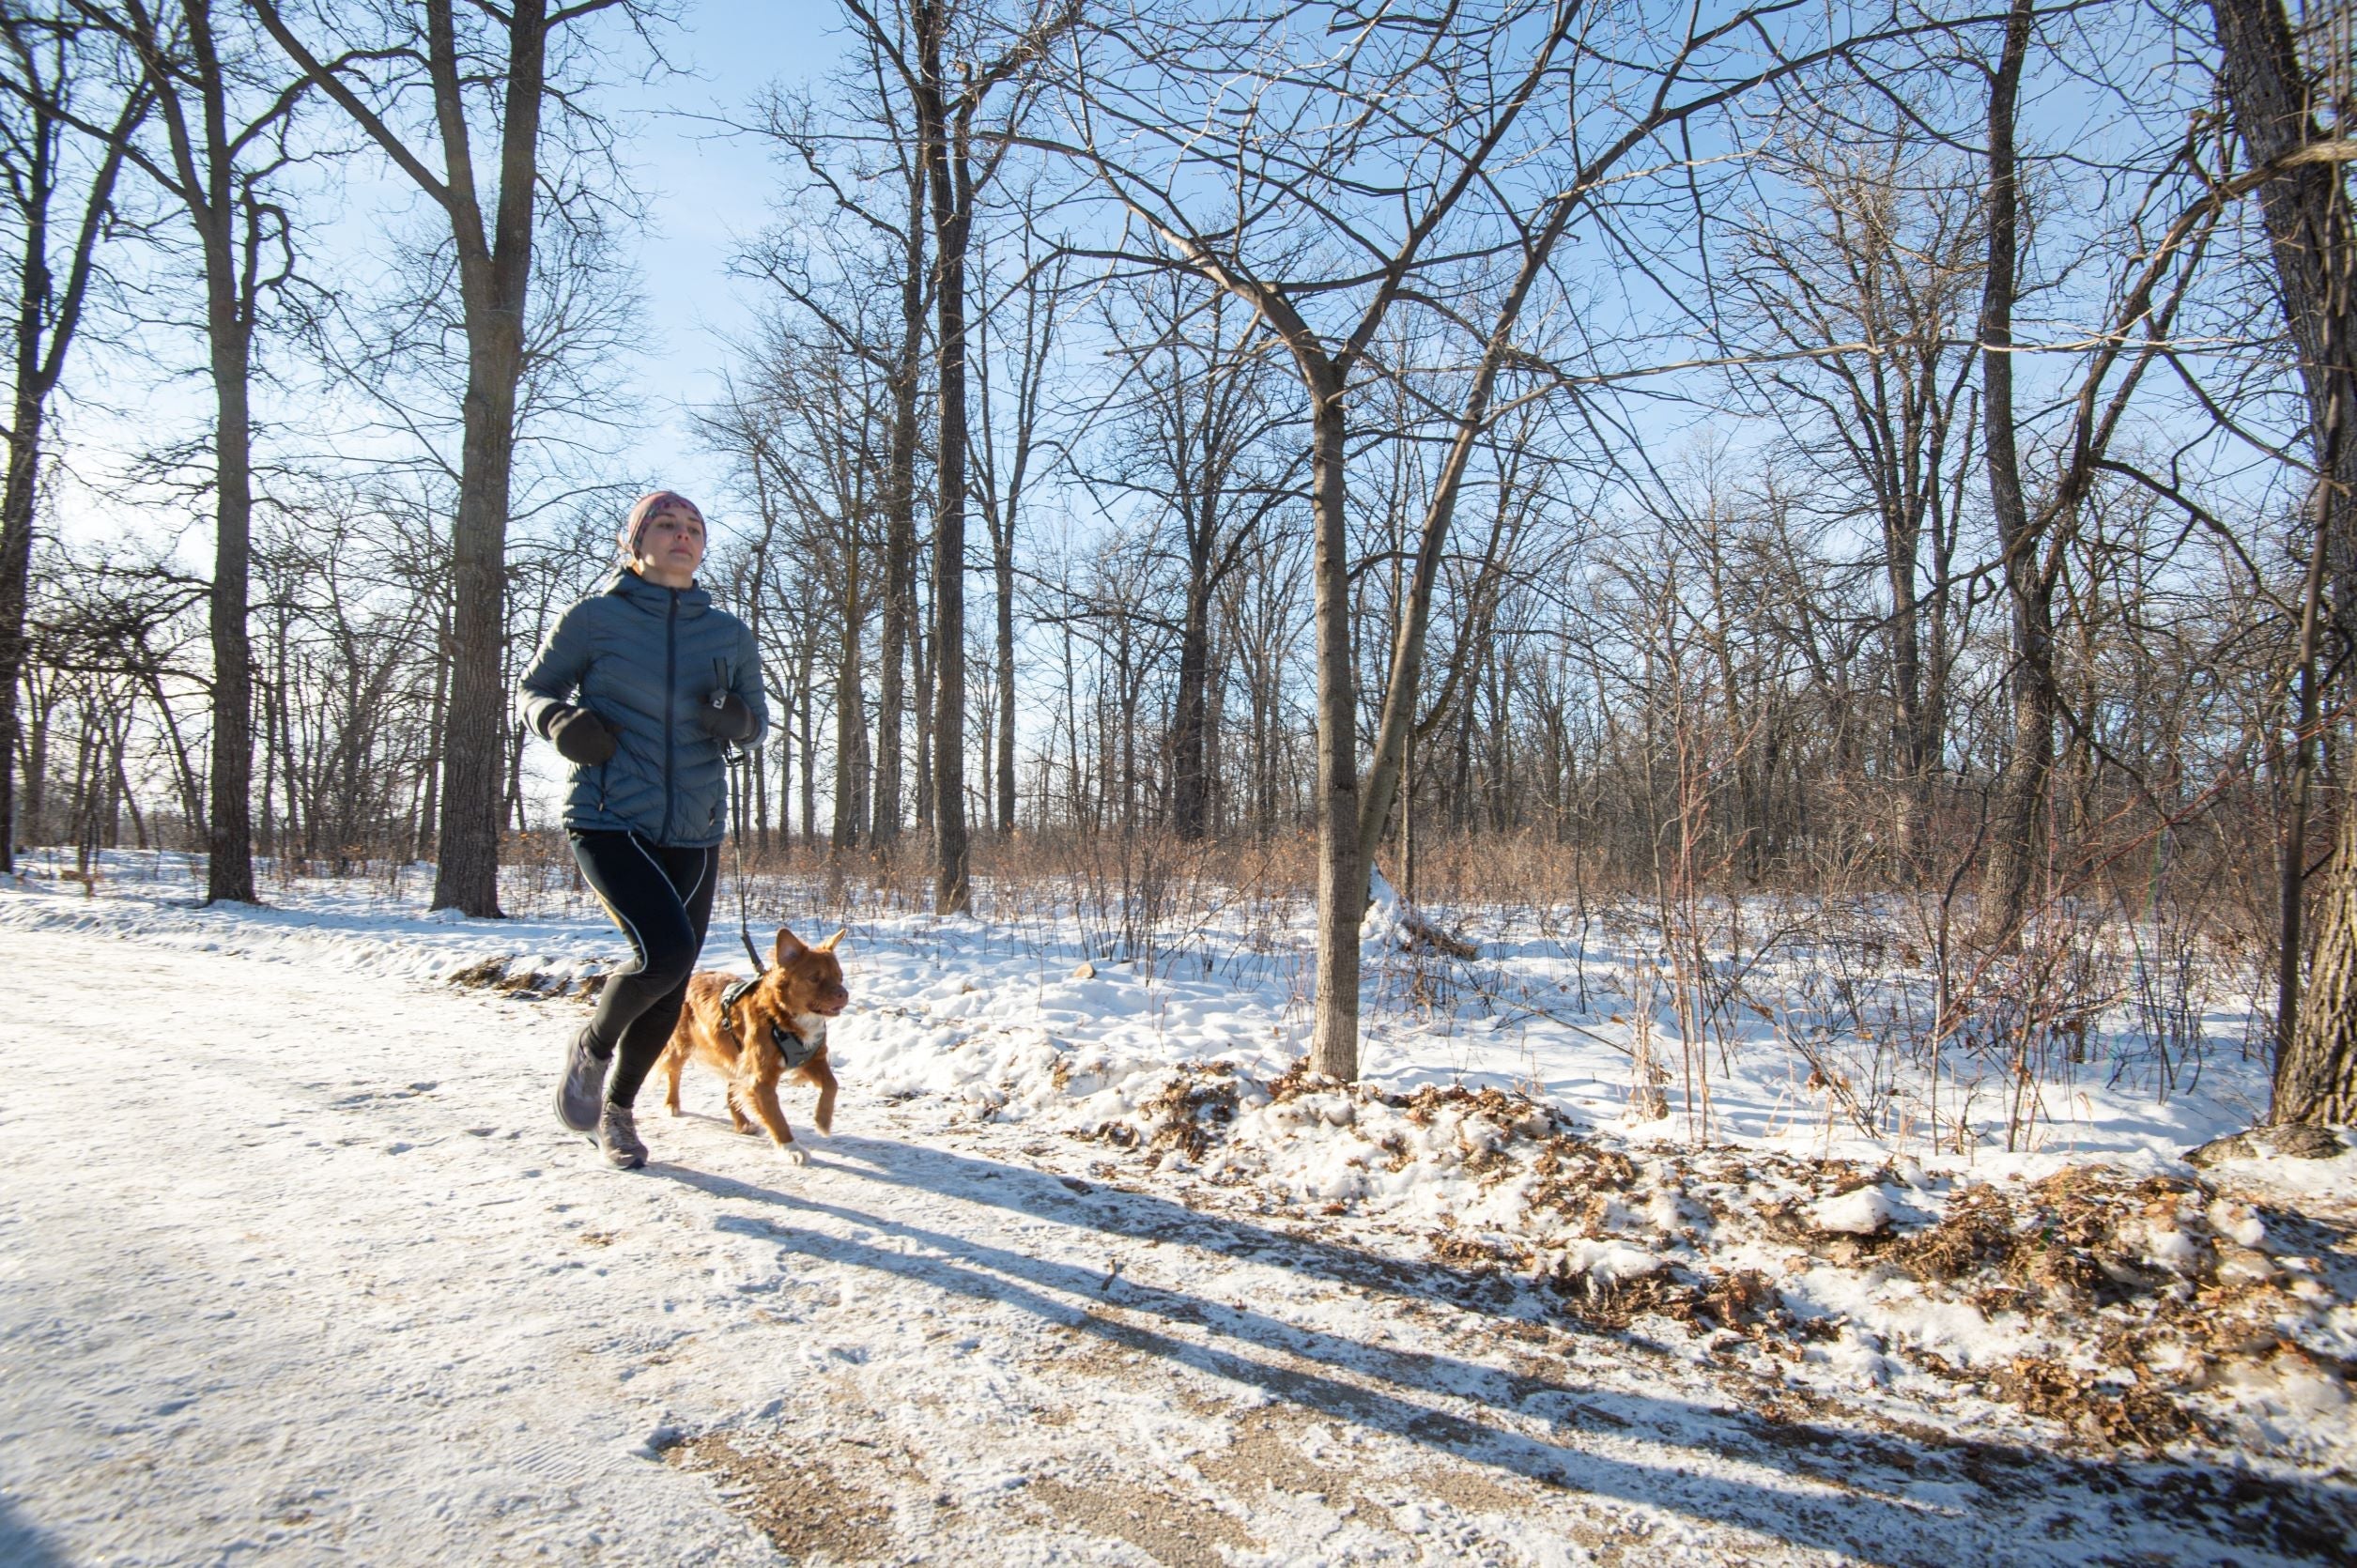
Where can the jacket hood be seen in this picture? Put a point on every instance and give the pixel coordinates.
(626, 584)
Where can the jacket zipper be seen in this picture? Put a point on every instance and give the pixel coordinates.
(671, 680)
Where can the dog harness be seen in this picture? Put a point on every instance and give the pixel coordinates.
(792, 1047)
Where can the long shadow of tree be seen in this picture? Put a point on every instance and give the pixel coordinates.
(1917, 1498)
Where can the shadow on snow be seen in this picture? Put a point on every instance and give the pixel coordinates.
(1912, 1498)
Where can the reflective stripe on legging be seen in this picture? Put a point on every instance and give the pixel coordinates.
(661, 898)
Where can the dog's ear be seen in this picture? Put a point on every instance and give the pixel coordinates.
(828, 946)
(790, 947)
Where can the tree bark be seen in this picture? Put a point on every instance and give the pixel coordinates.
(1003, 567)
(949, 189)
(1190, 770)
(2306, 208)
(900, 531)
(228, 217)
(494, 267)
(809, 771)
(47, 319)
(851, 715)
(16, 570)
(2316, 1076)
(1342, 874)
(229, 818)
(494, 272)
(2015, 816)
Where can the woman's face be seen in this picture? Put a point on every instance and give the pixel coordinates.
(670, 547)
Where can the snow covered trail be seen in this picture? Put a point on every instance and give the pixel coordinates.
(295, 1267)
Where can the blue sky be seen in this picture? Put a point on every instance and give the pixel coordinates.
(707, 191)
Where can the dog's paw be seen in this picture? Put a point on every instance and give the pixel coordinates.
(791, 1155)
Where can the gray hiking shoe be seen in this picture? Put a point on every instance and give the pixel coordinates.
(583, 1084)
(618, 1135)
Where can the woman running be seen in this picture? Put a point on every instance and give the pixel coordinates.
(639, 687)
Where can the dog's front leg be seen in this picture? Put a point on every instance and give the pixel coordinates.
(762, 1094)
(816, 1071)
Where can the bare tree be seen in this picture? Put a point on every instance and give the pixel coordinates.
(1195, 436)
(1860, 304)
(2035, 533)
(1226, 137)
(426, 52)
(49, 71)
(871, 179)
(225, 115)
(958, 165)
(1022, 318)
(2304, 199)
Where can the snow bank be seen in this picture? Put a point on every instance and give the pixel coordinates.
(1489, 1136)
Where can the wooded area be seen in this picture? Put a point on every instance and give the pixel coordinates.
(1893, 453)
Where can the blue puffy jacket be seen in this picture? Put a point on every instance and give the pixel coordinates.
(646, 658)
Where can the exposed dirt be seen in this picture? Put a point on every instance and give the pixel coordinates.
(1167, 1525)
(801, 1500)
(1264, 1454)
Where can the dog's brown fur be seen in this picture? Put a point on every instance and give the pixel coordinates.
(800, 990)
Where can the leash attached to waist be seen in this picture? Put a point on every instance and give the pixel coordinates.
(733, 757)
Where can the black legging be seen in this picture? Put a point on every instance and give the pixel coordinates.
(661, 897)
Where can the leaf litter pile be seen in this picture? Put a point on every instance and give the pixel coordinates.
(2125, 1309)
(2128, 1309)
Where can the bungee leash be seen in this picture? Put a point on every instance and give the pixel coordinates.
(733, 757)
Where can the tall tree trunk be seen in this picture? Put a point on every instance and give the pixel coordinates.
(1003, 567)
(1342, 877)
(921, 678)
(47, 318)
(16, 570)
(809, 738)
(429, 809)
(2015, 816)
(851, 715)
(2316, 1073)
(1405, 671)
(494, 272)
(494, 267)
(2305, 209)
(950, 188)
(229, 821)
(1189, 788)
(900, 531)
(211, 187)
(1911, 743)
(757, 771)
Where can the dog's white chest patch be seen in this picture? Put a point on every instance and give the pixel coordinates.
(811, 1027)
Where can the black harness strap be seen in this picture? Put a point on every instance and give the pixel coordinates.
(792, 1047)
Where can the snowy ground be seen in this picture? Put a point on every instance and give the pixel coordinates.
(295, 1266)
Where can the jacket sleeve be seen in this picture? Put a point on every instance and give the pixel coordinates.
(553, 676)
(747, 684)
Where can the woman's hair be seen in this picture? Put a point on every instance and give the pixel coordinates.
(644, 508)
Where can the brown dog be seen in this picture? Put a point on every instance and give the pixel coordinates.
(747, 1041)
